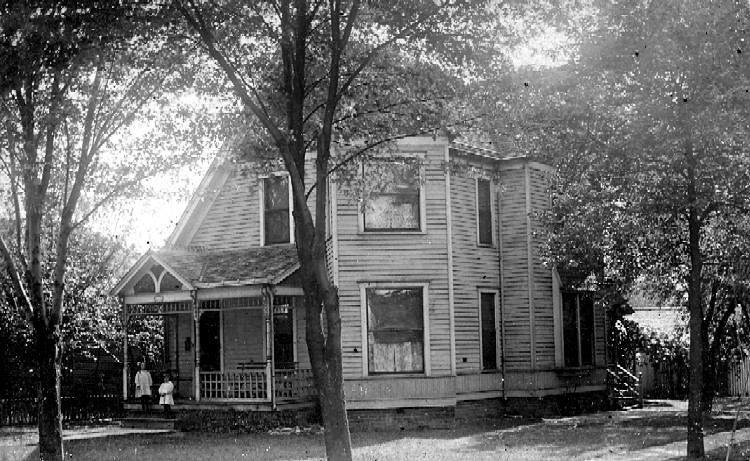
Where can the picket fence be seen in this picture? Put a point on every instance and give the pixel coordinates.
(80, 408)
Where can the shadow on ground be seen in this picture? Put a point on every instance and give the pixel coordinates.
(600, 434)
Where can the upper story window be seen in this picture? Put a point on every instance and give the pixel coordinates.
(578, 329)
(277, 218)
(485, 235)
(395, 203)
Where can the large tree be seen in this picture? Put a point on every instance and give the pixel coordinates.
(649, 124)
(315, 74)
(73, 76)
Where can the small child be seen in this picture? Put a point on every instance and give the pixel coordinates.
(143, 386)
(165, 395)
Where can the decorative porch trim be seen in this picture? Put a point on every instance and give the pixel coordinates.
(164, 308)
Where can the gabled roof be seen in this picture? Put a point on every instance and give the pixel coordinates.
(205, 195)
(248, 266)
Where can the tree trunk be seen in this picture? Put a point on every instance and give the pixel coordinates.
(695, 448)
(325, 358)
(321, 298)
(333, 412)
(48, 358)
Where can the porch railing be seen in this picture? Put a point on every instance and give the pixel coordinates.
(624, 385)
(252, 385)
(296, 384)
(234, 385)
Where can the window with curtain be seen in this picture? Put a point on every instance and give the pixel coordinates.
(395, 330)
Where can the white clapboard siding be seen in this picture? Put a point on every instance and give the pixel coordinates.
(544, 327)
(514, 251)
(405, 258)
(303, 357)
(233, 220)
(243, 338)
(185, 363)
(474, 267)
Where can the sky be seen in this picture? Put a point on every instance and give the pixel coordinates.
(147, 223)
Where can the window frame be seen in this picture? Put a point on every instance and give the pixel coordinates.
(262, 210)
(491, 192)
(422, 216)
(424, 287)
(496, 306)
(578, 326)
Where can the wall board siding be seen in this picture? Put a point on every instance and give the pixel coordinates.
(233, 220)
(399, 388)
(185, 361)
(396, 257)
(243, 337)
(303, 357)
(474, 267)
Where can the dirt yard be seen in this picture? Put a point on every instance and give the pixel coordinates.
(656, 432)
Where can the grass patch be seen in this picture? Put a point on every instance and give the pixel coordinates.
(601, 436)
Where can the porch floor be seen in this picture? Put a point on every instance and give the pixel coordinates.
(192, 405)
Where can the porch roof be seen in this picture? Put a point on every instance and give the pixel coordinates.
(270, 264)
(241, 267)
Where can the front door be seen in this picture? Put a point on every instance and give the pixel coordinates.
(283, 339)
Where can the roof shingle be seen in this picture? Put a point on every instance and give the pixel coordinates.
(249, 265)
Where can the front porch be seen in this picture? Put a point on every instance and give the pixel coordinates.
(233, 326)
(238, 350)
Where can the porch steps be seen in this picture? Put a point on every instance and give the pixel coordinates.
(625, 388)
(148, 423)
(140, 419)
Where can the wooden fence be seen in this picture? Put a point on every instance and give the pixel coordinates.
(23, 411)
(738, 378)
(663, 380)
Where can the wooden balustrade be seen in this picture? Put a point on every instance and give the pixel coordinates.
(252, 385)
(234, 385)
(296, 384)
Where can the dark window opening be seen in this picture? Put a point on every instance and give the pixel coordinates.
(210, 329)
(283, 339)
(489, 332)
(578, 330)
(484, 211)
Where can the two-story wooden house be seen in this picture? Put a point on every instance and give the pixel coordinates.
(445, 301)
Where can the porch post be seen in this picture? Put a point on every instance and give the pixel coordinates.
(270, 367)
(125, 366)
(196, 346)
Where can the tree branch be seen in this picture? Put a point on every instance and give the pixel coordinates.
(15, 279)
(391, 139)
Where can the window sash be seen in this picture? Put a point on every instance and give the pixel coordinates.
(276, 211)
(489, 331)
(484, 212)
(395, 330)
(578, 330)
(397, 206)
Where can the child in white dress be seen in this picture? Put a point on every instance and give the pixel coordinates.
(165, 395)
(143, 386)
